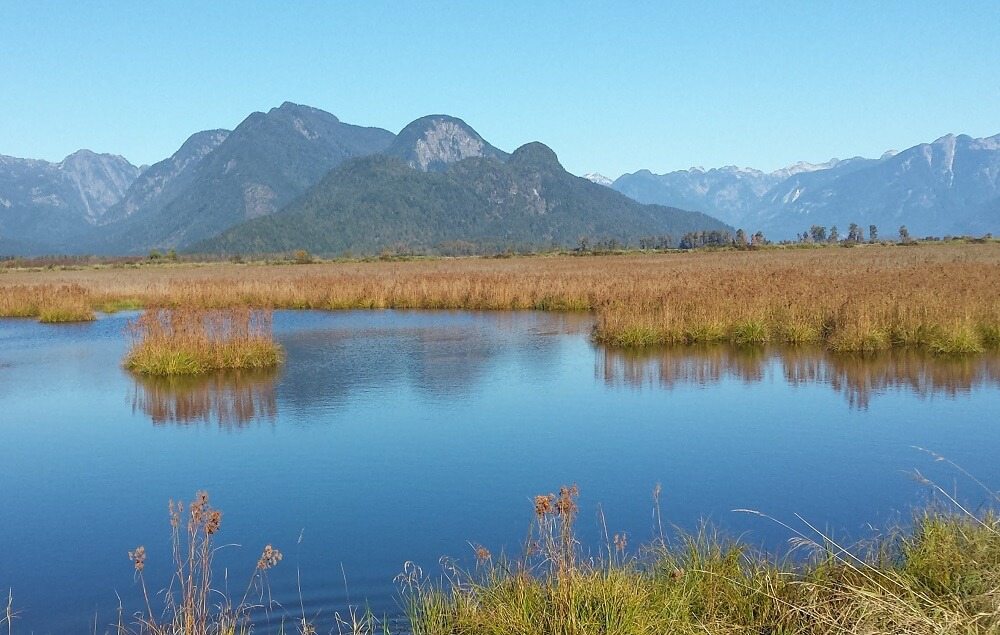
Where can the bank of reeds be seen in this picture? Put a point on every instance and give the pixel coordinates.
(167, 342)
(49, 303)
(941, 297)
(943, 576)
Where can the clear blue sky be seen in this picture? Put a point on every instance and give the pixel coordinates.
(611, 87)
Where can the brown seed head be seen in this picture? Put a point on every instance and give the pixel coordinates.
(566, 504)
(482, 553)
(543, 505)
(621, 541)
(269, 558)
(213, 522)
(138, 557)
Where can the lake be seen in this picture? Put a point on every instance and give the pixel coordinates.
(398, 436)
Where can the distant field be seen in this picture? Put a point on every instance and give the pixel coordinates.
(944, 297)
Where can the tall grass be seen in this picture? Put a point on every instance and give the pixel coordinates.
(194, 341)
(49, 303)
(943, 576)
(193, 604)
(940, 297)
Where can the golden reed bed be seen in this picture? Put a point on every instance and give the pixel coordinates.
(943, 297)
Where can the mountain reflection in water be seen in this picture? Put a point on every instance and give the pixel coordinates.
(857, 378)
(232, 400)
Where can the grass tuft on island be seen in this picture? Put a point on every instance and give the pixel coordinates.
(169, 342)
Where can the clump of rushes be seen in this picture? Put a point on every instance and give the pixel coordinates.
(961, 339)
(751, 333)
(942, 576)
(195, 341)
(194, 604)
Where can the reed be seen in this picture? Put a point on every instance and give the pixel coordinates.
(193, 604)
(853, 300)
(169, 342)
(50, 303)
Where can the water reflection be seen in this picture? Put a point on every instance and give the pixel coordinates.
(232, 400)
(857, 378)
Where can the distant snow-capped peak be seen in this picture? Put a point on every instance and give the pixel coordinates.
(600, 179)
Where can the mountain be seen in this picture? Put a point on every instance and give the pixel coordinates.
(944, 187)
(47, 206)
(377, 202)
(600, 179)
(730, 193)
(161, 183)
(436, 141)
(950, 186)
(268, 160)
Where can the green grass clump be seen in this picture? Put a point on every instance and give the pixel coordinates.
(751, 333)
(706, 332)
(942, 576)
(172, 342)
(799, 332)
(863, 341)
(65, 314)
(114, 306)
(989, 335)
(961, 340)
(636, 336)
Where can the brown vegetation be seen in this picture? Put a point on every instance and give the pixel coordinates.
(941, 297)
(169, 342)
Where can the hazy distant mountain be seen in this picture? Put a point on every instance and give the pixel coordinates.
(379, 201)
(47, 206)
(730, 193)
(160, 184)
(945, 187)
(436, 141)
(600, 179)
(949, 186)
(263, 164)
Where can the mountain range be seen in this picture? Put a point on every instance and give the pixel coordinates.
(297, 177)
(491, 201)
(950, 186)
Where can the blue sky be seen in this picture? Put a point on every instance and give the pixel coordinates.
(611, 87)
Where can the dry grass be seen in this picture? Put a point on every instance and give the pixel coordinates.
(940, 297)
(50, 303)
(194, 605)
(170, 342)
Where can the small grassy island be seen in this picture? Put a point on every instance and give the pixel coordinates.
(169, 342)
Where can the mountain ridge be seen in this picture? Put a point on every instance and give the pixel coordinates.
(380, 202)
(918, 187)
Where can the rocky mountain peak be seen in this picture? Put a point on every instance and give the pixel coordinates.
(433, 142)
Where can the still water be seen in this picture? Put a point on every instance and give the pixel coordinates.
(405, 436)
